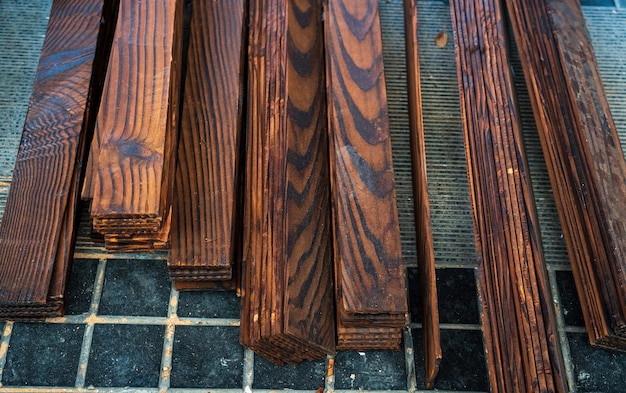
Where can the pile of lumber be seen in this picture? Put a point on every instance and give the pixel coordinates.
(521, 342)
(132, 158)
(370, 292)
(206, 226)
(583, 155)
(38, 226)
(312, 170)
(287, 305)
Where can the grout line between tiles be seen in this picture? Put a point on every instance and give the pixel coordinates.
(4, 346)
(168, 342)
(560, 326)
(85, 349)
(411, 382)
(329, 380)
(143, 320)
(248, 370)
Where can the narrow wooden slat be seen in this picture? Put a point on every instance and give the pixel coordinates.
(522, 346)
(287, 312)
(421, 204)
(205, 228)
(583, 154)
(137, 122)
(369, 273)
(37, 231)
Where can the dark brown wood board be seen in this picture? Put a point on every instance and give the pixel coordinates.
(37, 231)
(423, 225)
(369, 272)
(519, 324)
(138, 119)
(206, 229)
(583, 154)
(287, 307)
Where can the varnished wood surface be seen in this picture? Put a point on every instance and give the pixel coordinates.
(522, 346)
(583, 155)
(37, 231)
(369, 272)
(309, 308)
(421, 205)
(287, 313)
(137, 122)
(206, 227)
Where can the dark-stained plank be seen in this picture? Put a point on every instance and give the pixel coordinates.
(369, 273)
(206, 228)
(583, 154)
(287, 308)
(37, 231)
(138, 118)
(421, 204)
(519, 324)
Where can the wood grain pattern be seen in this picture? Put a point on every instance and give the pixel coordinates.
(519, 323)
(205, 228)
(369, 273)
(421, 205)
(137, 123)
(583, 154)
(287, 309)
(37, 231)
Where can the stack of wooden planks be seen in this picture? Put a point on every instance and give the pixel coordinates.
(37, 230)
(522, 346)
(287, 305)
(205, 237)
(583, 154)
(423, 225)
(134, 149)
(371, 303)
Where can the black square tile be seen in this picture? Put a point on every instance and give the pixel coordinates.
(463, 364)
(370, 370)
(208, 304)
(125, 355)
(80, 286)
(43, 355)
(457, 296)
(415, 304)
(135, 287)
(570, 306)
(306, 375)
(207, 357)
(595, 369)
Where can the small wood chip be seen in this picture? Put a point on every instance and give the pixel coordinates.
(442, 39)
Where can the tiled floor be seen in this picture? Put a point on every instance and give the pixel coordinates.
(126, 329)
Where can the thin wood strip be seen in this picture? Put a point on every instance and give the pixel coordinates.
(584, 158)
(137, 123)
(369, 272)
(37, 230)
(423, 225)
(205, 226)
(523, 352)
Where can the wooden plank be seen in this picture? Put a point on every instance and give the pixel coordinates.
(369, 273)
(137, 123)
(37, 231)
(583, 155)
(287, 313)
(423, 225)
(519, 324)
(206, 228)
